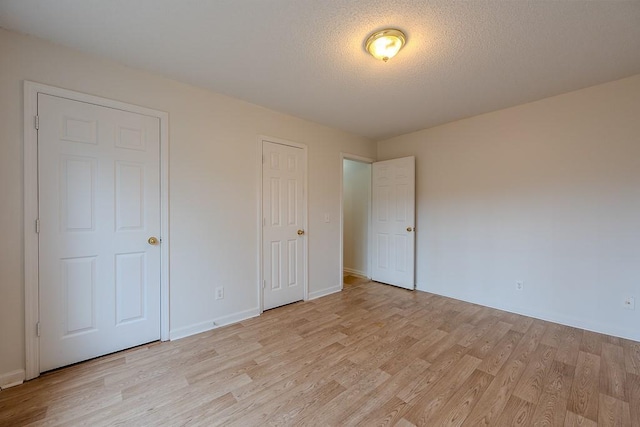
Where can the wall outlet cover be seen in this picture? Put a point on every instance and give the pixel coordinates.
(630, 303)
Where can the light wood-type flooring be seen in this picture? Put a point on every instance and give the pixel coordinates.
(370, 355)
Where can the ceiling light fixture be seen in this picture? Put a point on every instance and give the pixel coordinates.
(385, 44)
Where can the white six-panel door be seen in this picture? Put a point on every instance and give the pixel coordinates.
(99, 203)
(283, 180)
(393, 222)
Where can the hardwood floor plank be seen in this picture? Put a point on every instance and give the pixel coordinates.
(518, 412)
(301, 404)
(290, 405)
(264, 380)
(483, 313)
(632, 357)
(575, 420)
(395, 364)
(612, 340)
(340, 403)
(612, 372)
(446, 343)
(531, 383)
(583, 399)
(102, 407)
(613, 412)
(553, 335)
(494, 400)
(569, 345)
(464, 316)
(22, 417)
(495, 359)
(551, 407)
(591, 342)
(440, 367)
(422, 408)
(194, 411)
(386, 415)
(460, 404)
(483, 327)
(370, 355)
(633, 392)
(380, 352)
(481, 347)
(404, 423)
(522, 324)
(360, 408)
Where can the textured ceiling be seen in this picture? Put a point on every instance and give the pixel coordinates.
(306, 57)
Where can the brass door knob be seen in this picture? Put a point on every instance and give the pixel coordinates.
(153, 240)
(410, 229)
(300, 232)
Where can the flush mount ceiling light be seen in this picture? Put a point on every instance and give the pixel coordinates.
(385, 44)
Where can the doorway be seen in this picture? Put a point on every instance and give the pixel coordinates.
(356, 218)
(384, 250)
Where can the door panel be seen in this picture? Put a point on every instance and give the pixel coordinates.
(99, 202)
(79, 285)
(393, 201)
(130, 287)
(283, 209)
(130, 196)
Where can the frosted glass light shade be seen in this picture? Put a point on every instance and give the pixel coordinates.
(385, 44)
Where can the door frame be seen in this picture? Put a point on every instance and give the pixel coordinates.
(31, 280)
(305, 200)
(361, 159)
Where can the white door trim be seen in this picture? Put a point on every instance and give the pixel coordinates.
(305, 274)
(31, 90)
(343, 157)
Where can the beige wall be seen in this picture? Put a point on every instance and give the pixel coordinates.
(547, 193)
(213, 185)
(356, 193)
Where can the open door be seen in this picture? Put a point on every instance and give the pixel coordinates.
(393, 222)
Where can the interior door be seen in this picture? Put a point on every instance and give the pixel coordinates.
(393, 222)
(283, 233)
(99, 207)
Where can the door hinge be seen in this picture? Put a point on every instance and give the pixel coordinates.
(37, 122)
(38, 329)
(264, 284)
(38, 226)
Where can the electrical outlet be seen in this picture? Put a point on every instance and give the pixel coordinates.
(519, 285)
(630, 303)
(220, 292)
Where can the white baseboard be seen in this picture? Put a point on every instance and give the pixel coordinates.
(212, 324)
(354, 271)
(11, 379)
(324, 292)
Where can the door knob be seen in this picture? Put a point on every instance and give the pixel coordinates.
(300, 232)
(153, 240)
(410, 229)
